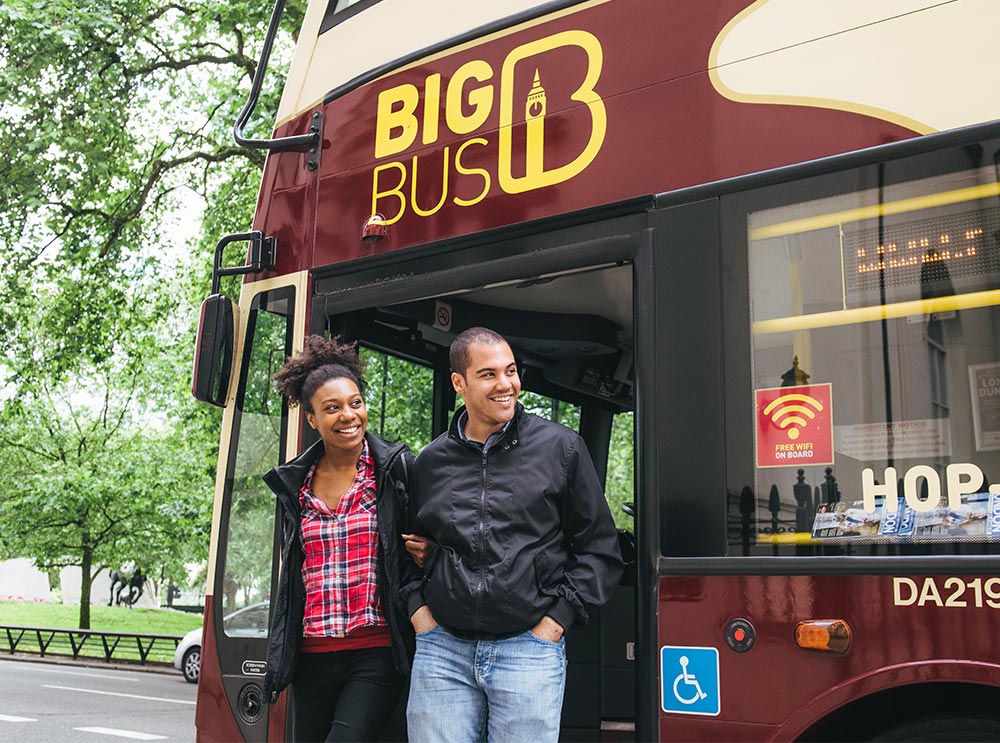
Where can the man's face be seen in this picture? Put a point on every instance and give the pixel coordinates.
(490, 385)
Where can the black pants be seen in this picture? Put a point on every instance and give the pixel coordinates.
(344, 696)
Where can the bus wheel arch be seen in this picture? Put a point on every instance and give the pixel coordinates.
(944, 729)
(887, 703)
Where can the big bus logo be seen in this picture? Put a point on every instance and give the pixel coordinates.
(470, 95)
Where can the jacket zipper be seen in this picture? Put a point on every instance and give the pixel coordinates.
(482, 543)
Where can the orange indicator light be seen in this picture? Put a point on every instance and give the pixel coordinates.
(831, 635)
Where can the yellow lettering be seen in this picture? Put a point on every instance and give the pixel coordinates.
(432, 108)
(484, 174)
(396, 109)
(480, 97)
(396, 191)
(444, 187)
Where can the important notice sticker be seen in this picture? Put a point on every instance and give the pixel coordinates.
(794, 426)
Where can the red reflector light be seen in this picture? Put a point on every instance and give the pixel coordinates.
(831, 635)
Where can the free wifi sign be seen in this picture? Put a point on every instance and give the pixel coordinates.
(795, 426)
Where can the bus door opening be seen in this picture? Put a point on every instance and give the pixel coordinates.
(572, 335)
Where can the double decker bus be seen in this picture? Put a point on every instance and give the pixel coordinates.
(748, 249)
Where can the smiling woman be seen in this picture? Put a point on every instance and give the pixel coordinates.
(342, 504)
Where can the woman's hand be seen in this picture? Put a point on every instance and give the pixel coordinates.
(418, 547)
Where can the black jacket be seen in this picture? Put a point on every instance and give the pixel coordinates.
(392, 465)
(522, 530)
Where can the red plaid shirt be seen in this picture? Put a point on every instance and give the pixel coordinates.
(340, 549)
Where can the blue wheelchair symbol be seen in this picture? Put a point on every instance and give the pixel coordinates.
(690, 678)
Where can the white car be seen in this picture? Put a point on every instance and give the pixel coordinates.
(250, 621)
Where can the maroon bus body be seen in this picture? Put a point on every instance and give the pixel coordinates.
(667, 128)
(777, 690)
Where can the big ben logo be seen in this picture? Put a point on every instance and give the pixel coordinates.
(535, 175)
(534, 117)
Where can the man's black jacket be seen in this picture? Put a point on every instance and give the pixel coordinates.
(522, 530)
(392, 465)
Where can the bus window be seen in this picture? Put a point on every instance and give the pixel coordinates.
(619, 487)
(875, 368)
(246, 576)
(399, 397)
(337, 6)
(555, 410)
(340, 10)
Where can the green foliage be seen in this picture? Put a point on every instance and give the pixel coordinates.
(115, 118)
(93, 484)
(116, 122)
(620, 485)
(558, 411)
(399, 398)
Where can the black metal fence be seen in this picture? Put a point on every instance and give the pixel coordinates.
(126, 647)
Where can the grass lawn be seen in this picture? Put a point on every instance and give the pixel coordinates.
(110, 618)
(103, 618)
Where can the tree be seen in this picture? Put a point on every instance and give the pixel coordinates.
(90, 484)
(109, 113)
(115, 117)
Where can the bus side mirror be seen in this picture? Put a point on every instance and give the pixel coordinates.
(214, 348)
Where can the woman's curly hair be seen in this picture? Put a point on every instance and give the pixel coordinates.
(320, 361)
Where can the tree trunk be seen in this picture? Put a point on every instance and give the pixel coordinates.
(86, 581)
(55, 584)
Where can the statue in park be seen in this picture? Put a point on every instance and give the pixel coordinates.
(126, 585)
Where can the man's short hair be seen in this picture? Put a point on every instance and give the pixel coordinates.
(459, 354)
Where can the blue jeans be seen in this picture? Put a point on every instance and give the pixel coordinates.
(465, 691)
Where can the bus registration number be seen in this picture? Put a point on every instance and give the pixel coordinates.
(948, 592)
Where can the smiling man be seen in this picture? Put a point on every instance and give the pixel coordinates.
(526, 547)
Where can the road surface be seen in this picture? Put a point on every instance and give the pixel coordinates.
(43, 702)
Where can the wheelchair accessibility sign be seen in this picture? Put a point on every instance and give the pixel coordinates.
(690, 678)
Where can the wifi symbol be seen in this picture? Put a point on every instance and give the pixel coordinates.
(789, 415)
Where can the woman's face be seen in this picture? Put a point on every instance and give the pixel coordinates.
(339, 414)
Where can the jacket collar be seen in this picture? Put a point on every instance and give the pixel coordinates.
(286, 479)
(382, 451)
(510, 433)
